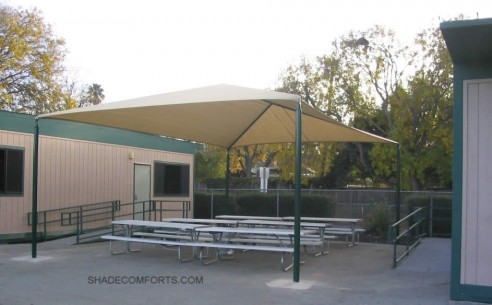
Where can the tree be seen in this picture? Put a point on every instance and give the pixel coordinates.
(210, 162)
(372, 65)
(245, 158)
(423, 118)
(372, 83)
(91, 95)
(31, 63)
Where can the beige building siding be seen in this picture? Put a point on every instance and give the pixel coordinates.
(74, 172)
(476, 264)
(13, 209)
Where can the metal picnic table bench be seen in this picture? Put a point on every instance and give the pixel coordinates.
(351, 231)
(178, 235)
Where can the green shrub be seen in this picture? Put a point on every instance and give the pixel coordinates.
(221, 206)
(379, 219)
(261, 204)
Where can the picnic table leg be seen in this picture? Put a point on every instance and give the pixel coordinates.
(111, 249)
(282, 259)
(229, 253)
(353, 235)
(323, 251)
(129, 234)
(202, 258)
(282, 262)
(180, 256)
(325, 248)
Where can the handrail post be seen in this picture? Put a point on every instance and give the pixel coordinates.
(78, 226)
(44, 225)
(113, 206)
(431, 215)
(212, 205)
(409, 232)
(391, 236)
(81, 220)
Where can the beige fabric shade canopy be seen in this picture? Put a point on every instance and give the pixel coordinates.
(222, 115)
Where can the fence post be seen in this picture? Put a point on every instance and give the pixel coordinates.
(391, 234)
(278, 203)
(212, 205)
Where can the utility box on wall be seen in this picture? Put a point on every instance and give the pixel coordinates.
(470, 45)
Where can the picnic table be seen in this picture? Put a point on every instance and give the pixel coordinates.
(246, 217)
(351, 230)
(276, 223)
(129, 224)
(319, 227)
(178, 233)
(213, 222)
(247, 238)
(325, 219)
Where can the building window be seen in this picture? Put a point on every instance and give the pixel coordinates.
(11, 171)
(171, 179)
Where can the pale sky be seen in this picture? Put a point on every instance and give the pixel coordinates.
(145, 47)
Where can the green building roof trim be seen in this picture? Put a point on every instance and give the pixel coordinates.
(469, 41)
(19, 122)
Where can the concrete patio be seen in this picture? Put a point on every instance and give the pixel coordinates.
(88, 274)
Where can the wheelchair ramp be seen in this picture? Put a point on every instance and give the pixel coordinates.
(432, 255)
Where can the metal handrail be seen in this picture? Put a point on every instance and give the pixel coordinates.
(406, 217)
(29, 214)
(77, 217)
(412, 227)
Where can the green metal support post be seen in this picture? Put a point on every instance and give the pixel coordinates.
(398, 182)
(227, 173)
(297, 191)
(34, 228)
(398, 186)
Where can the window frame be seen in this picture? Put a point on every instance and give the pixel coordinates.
(160, 191)
(8, 192)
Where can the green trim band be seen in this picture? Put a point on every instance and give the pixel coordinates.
(24, 123)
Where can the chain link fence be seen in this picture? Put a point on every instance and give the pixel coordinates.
(355, 203)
